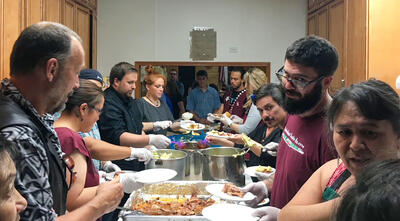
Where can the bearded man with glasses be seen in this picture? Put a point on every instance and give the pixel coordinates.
(310, 63)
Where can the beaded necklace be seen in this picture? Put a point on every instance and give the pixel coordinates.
(157, 104)
(234, 100)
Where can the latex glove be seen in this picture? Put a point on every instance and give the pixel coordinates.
(267, 213)
(262, 176)
(211, 117)
(160, 125)
(151, 148)
(110, 167)
(226, 120)
(129, 183)
(160, 141)
(236, 119)
(259, 189)
(272, 148)
(102, 176)
(142, 154)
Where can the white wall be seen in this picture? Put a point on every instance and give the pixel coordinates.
(158, 30)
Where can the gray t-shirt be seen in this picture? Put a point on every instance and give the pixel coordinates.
(151, 113)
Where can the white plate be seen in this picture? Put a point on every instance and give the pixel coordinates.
(216, 189)
(155, 175)
(210, 133)
(231, 212)
(186, 126)
(251, 171)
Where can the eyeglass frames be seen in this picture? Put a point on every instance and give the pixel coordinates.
(298, 83)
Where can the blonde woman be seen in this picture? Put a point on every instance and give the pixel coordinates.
(253, 79)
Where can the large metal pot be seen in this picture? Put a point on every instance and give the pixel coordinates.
(223, 163)
(176, 161)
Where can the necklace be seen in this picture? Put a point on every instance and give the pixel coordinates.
(156, 104)
(233, 101)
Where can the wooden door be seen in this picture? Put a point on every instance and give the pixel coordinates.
(33, 12)
(384, 41)
(69, 14)
(322, 21)
(11, 26)
(83, 30)
(337, 36)
(312, 25)
(53, 9)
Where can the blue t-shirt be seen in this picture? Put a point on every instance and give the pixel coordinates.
(203, 103)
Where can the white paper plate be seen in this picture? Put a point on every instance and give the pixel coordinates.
(213, 134)
(251, 171)
(186, 126)
(155, 175)
(216, 189)
(231, 212)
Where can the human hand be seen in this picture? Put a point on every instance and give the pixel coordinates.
(237, 138)
(211, 117)
(107, 198)
(236, 119)
(160, 141)
(214, 140)
(111, 167)
(226, 120)
(272, 148)
(267, 213)
(142, 154)
(259, 189)
(204, 121)
(129, 182)
(160, 125)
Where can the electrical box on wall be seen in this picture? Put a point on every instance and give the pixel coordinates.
(203, 43)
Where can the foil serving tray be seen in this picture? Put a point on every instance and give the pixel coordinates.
(152, 191)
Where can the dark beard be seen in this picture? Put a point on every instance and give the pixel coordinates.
(305, 104)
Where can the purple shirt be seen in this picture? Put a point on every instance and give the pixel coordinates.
(302, 150)
(234, 104)
(71, 141)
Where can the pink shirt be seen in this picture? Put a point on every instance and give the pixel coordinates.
(302, 150)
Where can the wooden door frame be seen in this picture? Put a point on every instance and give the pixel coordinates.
(138, 65)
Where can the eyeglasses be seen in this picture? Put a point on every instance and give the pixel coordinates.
(70, 164)
(297, 82)
(97, 109)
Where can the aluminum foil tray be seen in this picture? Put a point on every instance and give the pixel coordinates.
(164, 190)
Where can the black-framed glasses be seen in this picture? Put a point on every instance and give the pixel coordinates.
(298, 83)
(70, 164)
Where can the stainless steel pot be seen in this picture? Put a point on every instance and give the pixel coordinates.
(223, 163)
(176, 161)
(193, 160)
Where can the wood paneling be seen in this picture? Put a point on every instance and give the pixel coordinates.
(384, 40)
(356, 41)
(12, 26)
(33, 12)
(337, 18)
(322, 22)
(312, 25)
(53, 9)
(94, 41)
(83, 30)
(69, 14)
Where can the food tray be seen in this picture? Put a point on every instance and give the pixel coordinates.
(155, 190)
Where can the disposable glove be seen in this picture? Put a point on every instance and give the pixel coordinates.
(262, 176)
(272, 148)
(129, 183)
(160, 141)
(267, 213)
(259, 189)
(142, 154)
(226, 120)
(160, 125)
(211, 117)
(110, 167)
(236, 119)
